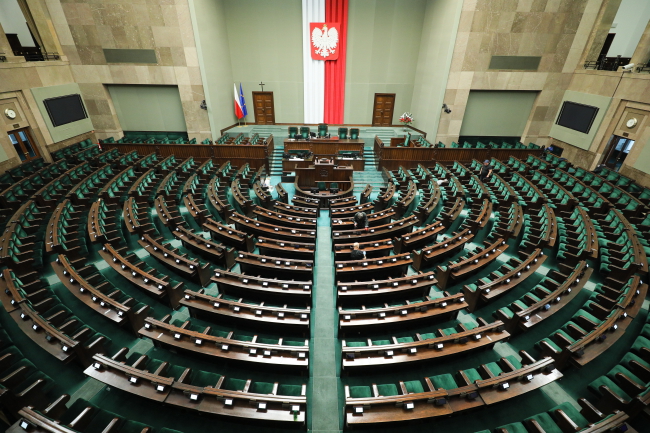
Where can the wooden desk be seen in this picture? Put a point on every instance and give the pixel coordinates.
(381, 267)
(162, 333)
(291, 164)
(446, 246)
(277, 218)
(289, 250)
(262, 229)
(430, 310)
(207, 248)
(229, 236)
(388, 356)
(378, 290)
(419, 238)
(491, 288)
(386, 231)
(357, 164)
(374, 219)
(104, 304)
(237, 284)
(325, 146)
(294, 269)
(308, 177)
(255, 315)
(470, 264)
(442, 402)
(306, 212)
(373, 249)
(157, 286)
(182, 264)
(348, 212)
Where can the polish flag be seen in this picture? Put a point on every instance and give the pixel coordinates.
(239, 112)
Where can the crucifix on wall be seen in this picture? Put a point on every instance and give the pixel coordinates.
(262, 85)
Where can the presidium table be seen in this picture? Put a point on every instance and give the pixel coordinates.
(332, 147)
(327, 172)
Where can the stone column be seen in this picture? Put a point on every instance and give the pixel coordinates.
(642, 51)
(43, 23)
(601, 29)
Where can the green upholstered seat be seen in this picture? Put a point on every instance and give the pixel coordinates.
(360, 392)
(387, 390)
(573, 413)
(261, 388)
(354, 133)
(444, 381)
(494, 368)
(413, 386)
(609, 383)
(356, 344)
(473, 375)
(515, 427)
(234, 384)
(292, 390)
(449, 331)
(545, 421)
(343, 133)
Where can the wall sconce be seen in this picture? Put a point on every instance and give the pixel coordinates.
(447, 109)
(203, 106)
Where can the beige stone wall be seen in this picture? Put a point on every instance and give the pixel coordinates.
(556, 30)
(86, 27)
(80, 30)
(630, 93)
(16, 78)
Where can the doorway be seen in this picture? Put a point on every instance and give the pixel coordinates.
(617, 150)
(24, 144)
(264, 108)
(382, 112)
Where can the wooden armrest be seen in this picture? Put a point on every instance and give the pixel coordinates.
(57, 407)
(564, 422)
(590, 411)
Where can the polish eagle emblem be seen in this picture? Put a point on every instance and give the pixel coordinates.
(325, 40)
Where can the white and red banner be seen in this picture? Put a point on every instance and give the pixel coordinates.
(324, 48)
(324, 41)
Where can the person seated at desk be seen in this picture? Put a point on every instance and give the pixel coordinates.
(356, 253)
(361, 220)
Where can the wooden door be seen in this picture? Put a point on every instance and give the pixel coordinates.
(264, 108)
(24, 144)
(618, 149)
(382, 112)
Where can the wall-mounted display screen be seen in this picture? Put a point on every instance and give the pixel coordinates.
(578, 117)
(65, 109)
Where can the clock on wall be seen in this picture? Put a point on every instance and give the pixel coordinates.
(11, 114)
(631, 123)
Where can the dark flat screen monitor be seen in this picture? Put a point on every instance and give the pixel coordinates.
(65, 109)
(578, 117)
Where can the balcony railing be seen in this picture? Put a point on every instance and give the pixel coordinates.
(607, 63)
(643, 67)
(37, 56)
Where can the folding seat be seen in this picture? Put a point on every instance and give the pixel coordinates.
(443, 381)
(363, 391)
